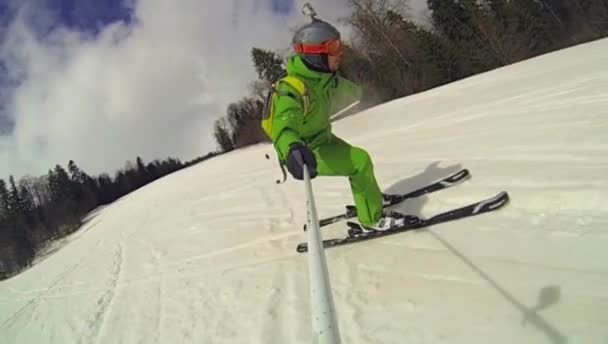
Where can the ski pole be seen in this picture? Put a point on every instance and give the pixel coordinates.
(324, 317)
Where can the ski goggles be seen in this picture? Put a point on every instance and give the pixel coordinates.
(333, 47)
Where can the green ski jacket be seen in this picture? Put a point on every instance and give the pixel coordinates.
(328, 93)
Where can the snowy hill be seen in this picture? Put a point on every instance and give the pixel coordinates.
(207, 255)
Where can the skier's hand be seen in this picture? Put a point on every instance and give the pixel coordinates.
(300, 154)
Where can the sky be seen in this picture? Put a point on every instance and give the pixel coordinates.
(102, 82)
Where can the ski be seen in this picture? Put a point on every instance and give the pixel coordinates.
(356, 234)
(444, 183)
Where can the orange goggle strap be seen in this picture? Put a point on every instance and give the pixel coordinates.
(332, 47)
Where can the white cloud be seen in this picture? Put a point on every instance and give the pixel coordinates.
(152, 89)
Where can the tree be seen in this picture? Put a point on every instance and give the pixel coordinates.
(83, 188)
(438, 63)
(60, 184)
(4, 201)
(597, 14)
(526, 25)
(244, 117)
(584, 19)
(107, 192)
(18, 221)
(37, 188)
(386, 49)
(76, 174)
(141, 171)
(64, 209)
(268, 65)
(460, 22)
(124, 183)
(222, 135)
(16, 204)
(453, 18)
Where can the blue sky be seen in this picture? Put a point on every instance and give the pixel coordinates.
(83, 15)
(282, 6)
(88, 16)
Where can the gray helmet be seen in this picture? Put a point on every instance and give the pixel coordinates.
(315, 33)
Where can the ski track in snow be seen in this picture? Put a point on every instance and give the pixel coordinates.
(104, 303)
(207, 255)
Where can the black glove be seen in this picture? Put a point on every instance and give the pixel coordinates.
(298, 154)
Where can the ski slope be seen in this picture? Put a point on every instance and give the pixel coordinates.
(207, 254)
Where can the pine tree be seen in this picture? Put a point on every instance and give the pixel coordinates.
(27, 199)
(75, 172)
(16, 204)
(454, 19)
(596, 13)
(18, 220)
(124, 183)
(64, 206)
(106, 192)
(28, 208)
(59, 184)
(82, 189)
(268, 65)
(438, 63)
(4, 201)
(528, 23)
(141, 171)
(469, 25)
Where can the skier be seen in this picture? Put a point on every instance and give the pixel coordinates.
(300, 126)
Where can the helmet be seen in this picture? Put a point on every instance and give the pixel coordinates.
(314, 41)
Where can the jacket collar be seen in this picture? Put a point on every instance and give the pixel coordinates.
(297, 68)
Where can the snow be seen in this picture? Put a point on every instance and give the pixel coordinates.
(207, 254)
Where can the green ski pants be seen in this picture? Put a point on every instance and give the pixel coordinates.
(338, 158)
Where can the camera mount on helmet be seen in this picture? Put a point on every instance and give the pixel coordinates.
(309, 11)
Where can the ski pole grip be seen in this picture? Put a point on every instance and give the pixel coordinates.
(300, 159)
